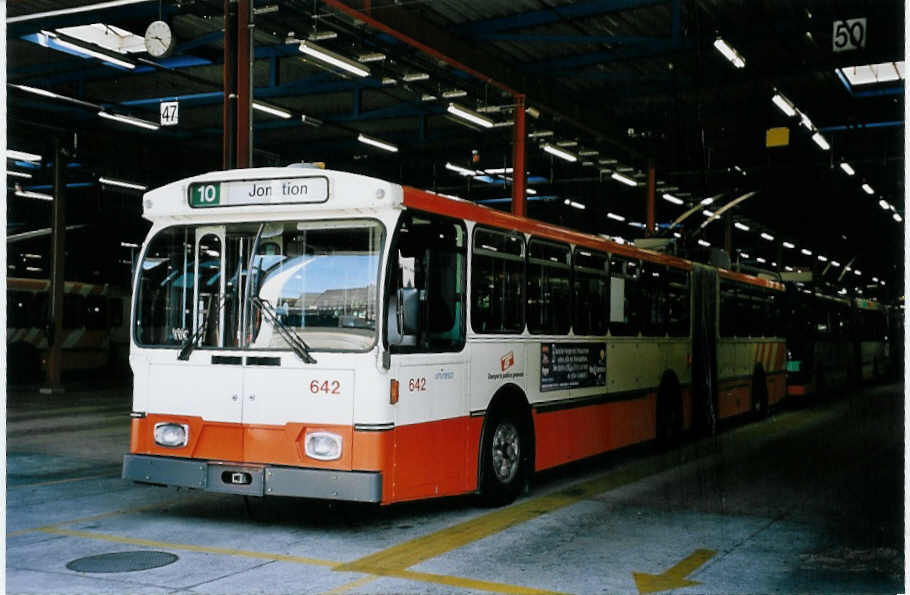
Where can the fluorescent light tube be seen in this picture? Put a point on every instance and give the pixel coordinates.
(896, 217)
(589, 153)
(822, 258)
(573, 204)
(386, 81)
(767, 236)
(847, 168)
(122, 184)
(415, 76)
(884, 204)
(857, 272)
(336, 60)
(540, 134)
(744, 255)
(453, 93)
(460, 170)
(567, 143)
(761, 260)
(371, 57)
(616, 217)
(834, 263)
(377, 143)
(22, 155)
(530, 191)
(129, 120)
(18, 174)
(707, 201)
(89, 52)
(788, 245)
(38, 91)
(427, 97)
(322, 35)
(741, 226)
(704, 243)
(820, 141)
(554, 150)
(784, 104)
(637, 224)
(469, 115)
(729, 53)
(621, 178)
(76, 9)
(30, 194)
(673, 199)
(868, 189)
(310, 120)
(707, 213)
(275, 111)
(806, 252)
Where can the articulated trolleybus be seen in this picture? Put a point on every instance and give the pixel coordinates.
(310, 333)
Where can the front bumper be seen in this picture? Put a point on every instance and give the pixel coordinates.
(254, 480)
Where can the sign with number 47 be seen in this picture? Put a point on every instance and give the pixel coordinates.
(170, 113)
(849, 35)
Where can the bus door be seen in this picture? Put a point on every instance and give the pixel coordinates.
(425, 333)
(204, 380)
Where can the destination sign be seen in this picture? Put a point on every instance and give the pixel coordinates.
(259, 192)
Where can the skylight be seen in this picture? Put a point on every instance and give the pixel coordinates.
(870, 74)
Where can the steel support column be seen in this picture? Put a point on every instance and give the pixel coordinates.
(58, 232)
(244, 83)
(649, 209)
(229, 78)
(518, 158)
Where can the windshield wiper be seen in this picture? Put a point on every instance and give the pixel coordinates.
(190, 343)
(297, 344)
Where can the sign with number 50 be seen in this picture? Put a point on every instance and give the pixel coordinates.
(849, 35)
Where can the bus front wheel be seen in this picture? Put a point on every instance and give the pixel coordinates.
(504, 459)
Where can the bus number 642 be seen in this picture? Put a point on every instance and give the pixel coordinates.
(326, 387)
(417, 384)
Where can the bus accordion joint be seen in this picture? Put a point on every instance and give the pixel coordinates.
(393, 391)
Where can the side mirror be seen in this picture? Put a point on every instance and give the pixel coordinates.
(408, 311)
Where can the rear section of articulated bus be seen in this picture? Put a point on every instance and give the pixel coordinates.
(254, 340)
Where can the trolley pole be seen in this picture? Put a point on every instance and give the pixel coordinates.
(229, 78)
(244, 83)
(518, 158)
(652, 190)
(54, 382)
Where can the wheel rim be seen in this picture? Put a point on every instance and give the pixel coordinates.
(506, 452)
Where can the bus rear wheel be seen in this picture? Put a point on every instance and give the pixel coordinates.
(504, 459)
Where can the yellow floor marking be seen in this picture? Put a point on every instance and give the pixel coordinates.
(675, 577)
(467, 583)
(339, 590)
(59, 481)
(191, 548)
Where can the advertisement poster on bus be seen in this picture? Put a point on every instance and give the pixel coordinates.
(572, 365)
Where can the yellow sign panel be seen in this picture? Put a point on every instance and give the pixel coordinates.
(777, 137)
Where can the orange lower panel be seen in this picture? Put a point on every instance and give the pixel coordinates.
(571, 434)
(798, 390)
(733, 399)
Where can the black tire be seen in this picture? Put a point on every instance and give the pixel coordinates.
(759, 394)
(669, 415)
(504, 458)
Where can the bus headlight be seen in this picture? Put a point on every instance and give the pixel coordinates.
(323, 446)
(171, 435)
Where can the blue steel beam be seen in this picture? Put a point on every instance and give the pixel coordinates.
(654, 48)
(550, 15)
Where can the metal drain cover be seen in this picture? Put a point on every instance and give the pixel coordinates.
(122, 562)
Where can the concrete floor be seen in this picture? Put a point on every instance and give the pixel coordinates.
(810, 500)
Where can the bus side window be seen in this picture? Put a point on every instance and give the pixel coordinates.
(625, 295)
(427, 283)
(497, 282)
(95, 312)
(678, 296)
(549, 282)
(654, 301)
(73, 311)
(592, 292)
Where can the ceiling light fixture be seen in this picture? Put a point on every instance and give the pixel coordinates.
(371, 57)
(469, 115)
(73, 10)
(453, 93)
(784, 104)
(415, 76)
(820, 141)
(554, 150)
(822, 258)
(18, 174)
(767, 236)
(729, 53)
(573, 204)
(788, 245)
(22, 155)
(30, 194)
(707, 201)
(616, 217)
(868, 189)
(368, 140)
(322, 35)
(884, 204)
(896, 217)
(741, 226)
(704, 243)
(670, 198)
(129, 120)
(540, 134)
(460, 170)
(623, 179)
(268, 109)
(80, 49)
(848, 169)
(121, 184)
(806, 252)
(336, 60)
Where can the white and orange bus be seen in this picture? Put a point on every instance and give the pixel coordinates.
(311, 333)
(95, 327)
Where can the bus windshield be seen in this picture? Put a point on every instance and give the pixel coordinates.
(258, 282)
